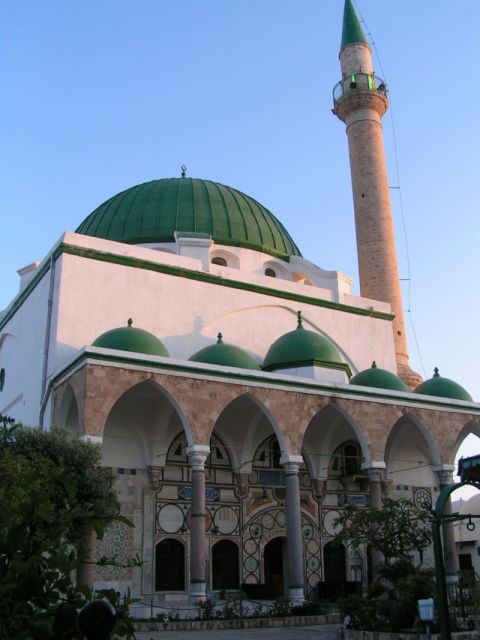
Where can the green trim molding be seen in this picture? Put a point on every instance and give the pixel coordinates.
(259, 378)
(138, 263)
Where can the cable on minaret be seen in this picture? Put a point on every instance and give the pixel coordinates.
(398, 188)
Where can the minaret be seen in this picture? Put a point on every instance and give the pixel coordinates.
(360, 100)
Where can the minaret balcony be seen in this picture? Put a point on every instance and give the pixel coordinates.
(358, 82)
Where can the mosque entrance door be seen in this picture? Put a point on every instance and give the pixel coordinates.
(274, 556)
(225, 573)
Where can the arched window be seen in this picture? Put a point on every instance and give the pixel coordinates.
(268, 454)
(170, 566)
(270, 272)
(220, 261)
(225, 572)
(346, 459)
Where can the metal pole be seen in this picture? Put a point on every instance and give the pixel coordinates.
(442, 600)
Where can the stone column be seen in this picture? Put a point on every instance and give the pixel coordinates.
(375, 474)
(85, 574)
(197, 454)
(452, 567)
(295, 578)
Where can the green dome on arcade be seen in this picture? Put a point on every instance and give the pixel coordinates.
(153, 211)
(131, 339)
(379, 378)
(302, 347)
(443, 388)
(226, 355)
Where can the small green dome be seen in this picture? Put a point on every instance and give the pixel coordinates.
(301, 347)
(379, 378)
(131, 339)
(153, 211)
(443, 387)
(225, 355)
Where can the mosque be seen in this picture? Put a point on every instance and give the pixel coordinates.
(229, 381)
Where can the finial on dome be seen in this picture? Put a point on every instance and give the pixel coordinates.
(184, 171)
(129, 322)
(299, 320)
(374, 365)
(436, 373)
(220, 339)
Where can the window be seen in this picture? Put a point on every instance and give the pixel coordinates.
(270, 273)
(170, 566)
(225, 573)
(346, 459)
(220, 261)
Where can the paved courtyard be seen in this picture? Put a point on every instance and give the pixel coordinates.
(310, 632)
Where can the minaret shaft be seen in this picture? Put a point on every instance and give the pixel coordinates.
(360, 102)
(377, 258)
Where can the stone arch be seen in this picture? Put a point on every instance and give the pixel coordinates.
(327, 429)
(67, 413)
(470, 428)
(140, 425)
(411, 457)
(253, 421)
(4, 336)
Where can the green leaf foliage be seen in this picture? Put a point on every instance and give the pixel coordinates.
(53, 492)
(398, 530)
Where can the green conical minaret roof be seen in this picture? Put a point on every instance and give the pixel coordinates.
(352, 29)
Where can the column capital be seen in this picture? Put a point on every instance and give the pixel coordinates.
(91, 438)
(197, 454)
(291, 463)
(376, 464)
(444, 473)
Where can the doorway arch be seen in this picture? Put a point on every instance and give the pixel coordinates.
(170, 565)
(225, 571)
(274, 556)
(334, 562)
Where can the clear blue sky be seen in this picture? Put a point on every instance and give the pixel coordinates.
(100, 95)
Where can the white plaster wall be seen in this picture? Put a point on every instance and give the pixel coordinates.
(21, 355)
(248, 263)
(187, 314)
(92, 296)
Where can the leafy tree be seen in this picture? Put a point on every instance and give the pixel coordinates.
(52, 493)
(398, 530)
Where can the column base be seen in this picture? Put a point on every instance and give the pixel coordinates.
(296, 596)
(451, 578)
(197, 592)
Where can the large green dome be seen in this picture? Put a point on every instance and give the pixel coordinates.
(226, 355)
(153, 211)
(131, 339)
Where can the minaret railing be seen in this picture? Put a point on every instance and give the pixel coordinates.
(358, 82)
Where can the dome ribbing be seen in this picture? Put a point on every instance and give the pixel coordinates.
(151, 213)
(301, 347)
(443, 388)
(226, 355)
(131, 339)
(379, 378)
